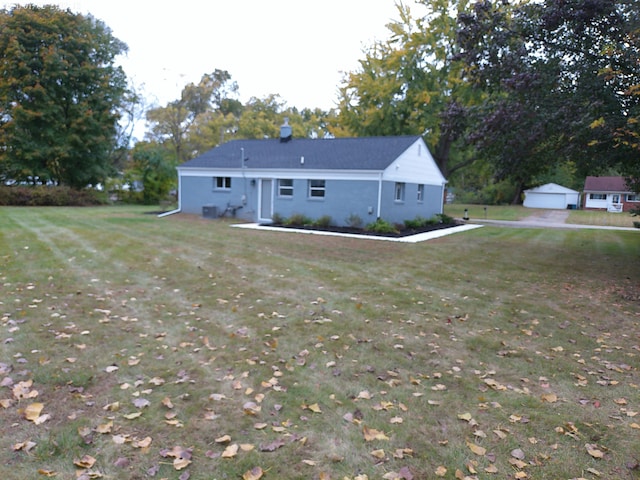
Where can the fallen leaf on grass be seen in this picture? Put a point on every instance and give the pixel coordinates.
(47, 473)
(517, 453)
(231, 451)
(254, 474)
(477, 449)
(86, 461)
(594, 451)
(24, 446)
(23, 390)
(104, 428)
(144, 443)
(315, 408)
(549, 397)
(379, 454)
(32, 412)
(441, 471)
(272, 447)
(371, 434)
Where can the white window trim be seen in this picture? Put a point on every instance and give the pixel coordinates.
(282, 188)
(316, 188)
(224, 181)
(399, 192)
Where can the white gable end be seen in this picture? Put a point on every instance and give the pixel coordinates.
(415, 165)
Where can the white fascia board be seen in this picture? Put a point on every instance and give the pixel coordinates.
(372, 175)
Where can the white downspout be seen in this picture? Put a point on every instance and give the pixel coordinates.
(379, 215)
(166, 214)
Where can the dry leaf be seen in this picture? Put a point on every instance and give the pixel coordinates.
(517, 453)
(441, 471)
(594, 451)
(477, 449)
(549, 398)
(104, 428)
(371, 434)
(379, 454)
(254, 474)
(24, 446)
(47, 473)
(32, 412)
(223, 439)
(315, 408)
(142, 443)
(181, 463)
(231, 451)
(86, 461)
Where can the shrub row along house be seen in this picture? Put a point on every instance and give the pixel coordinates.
(347, 179)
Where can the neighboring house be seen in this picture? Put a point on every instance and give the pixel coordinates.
(609, 193)
(551, 195)
(393, 178)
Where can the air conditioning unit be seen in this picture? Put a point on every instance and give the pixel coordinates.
(210, 211)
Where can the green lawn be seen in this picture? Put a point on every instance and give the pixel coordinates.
(137, 347)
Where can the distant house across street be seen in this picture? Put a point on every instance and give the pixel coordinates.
(609, 193)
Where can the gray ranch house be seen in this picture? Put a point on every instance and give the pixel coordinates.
(392, 178)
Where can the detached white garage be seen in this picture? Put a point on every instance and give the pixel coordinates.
(551, 195)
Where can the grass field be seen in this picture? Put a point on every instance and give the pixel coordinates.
(133, 347)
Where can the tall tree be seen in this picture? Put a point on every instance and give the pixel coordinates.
(412, 84)
(214, 92)
(546, 68)
(60, 94)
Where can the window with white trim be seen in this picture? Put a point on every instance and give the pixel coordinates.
(316, 188)
(222, 183)
(633, 197)
(597, 196)
(399, 192)
(420, 193)
(285, 187)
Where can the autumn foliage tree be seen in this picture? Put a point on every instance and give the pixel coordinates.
(412, 84)
(60, 95)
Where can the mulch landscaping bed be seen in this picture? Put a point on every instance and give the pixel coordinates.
(362, 231)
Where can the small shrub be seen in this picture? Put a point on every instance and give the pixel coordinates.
(323, 222)
(382, 226)
(354, 221)
(444, 218)
(277, 219)
(419, 222)
(299, 219)
(636, 224)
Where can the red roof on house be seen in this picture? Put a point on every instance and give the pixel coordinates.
(606, 184)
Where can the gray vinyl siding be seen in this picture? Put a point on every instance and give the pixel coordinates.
(342, 199)
(410, 207)
(198, 192)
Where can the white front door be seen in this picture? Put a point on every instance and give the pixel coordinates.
(266, 199)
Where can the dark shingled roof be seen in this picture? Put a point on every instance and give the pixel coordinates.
(605, 184)
(366, 153)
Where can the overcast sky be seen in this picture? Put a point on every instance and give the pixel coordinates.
(295, 48)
